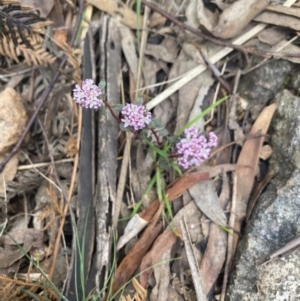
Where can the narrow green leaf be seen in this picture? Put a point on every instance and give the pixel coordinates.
(201, 115)
(159, 184)
(157, 150)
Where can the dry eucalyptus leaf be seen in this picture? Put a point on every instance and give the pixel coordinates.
(271, 36)
(236, 17)
(128, 47)
(8, 173)
(249, 158)
(13, 118)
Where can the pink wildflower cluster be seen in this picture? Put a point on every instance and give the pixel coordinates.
(135, 116)
(88, 95)
(194, 148)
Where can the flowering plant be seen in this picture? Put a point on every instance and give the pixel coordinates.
(191, 150)
(88, 95)
(135, 116)
(194, 148)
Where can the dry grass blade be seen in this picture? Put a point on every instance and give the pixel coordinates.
(35, 56)
(11, 289)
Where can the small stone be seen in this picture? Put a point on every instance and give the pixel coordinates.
(13, 119)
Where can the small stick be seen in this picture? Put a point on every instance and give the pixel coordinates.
(292, 244)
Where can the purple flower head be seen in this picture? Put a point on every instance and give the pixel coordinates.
(194, 148)
(135, 116)
(88, 95)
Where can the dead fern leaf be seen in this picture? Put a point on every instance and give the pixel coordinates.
(17, 21)
(72, 58)
(140, 294)
(36, 55)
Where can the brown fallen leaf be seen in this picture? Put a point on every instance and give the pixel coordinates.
(243, 182)
(249, 156)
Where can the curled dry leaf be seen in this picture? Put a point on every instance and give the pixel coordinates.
(236, 17)
(120, 11)
(134, 227)
(206, 17)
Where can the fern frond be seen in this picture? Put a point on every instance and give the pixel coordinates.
(35, 55)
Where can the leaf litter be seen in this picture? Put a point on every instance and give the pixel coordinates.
(40, 195)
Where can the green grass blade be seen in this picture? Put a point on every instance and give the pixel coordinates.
(201, 115)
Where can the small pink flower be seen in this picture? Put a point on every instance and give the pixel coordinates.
(135, 116)
(194, 148)
(88, 95)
